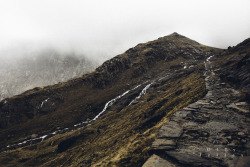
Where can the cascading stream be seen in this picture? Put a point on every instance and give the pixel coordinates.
(77, 126)
(144, 91)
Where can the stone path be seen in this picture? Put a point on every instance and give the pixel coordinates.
(213, 131)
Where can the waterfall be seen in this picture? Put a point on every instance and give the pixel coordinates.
(144, 91)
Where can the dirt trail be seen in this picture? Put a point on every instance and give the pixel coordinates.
(213, 131)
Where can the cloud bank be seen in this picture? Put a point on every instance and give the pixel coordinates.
(102, 29)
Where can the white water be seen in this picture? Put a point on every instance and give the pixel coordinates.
(26, 141)
(111, 102)
(44, 102)
(208, 59)
(108, 104)
(144, 91)
(162, 78)
(43, 137)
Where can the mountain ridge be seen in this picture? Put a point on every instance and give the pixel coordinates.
(147, 83)
(107, 72)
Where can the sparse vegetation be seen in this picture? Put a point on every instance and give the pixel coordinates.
(122, 136)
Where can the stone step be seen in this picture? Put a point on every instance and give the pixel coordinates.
(170, 130)
(156, 161)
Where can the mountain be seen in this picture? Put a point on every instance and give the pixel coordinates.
(40, 68)
(233, 67)
(213, 131)
(114, 116)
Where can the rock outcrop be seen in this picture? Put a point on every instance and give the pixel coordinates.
(234, 67)
(213, 131)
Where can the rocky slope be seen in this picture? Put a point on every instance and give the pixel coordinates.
(233, 67)
(213, 131)
(110, 117)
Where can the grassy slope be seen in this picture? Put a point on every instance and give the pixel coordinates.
(119, 137)
(76, 100)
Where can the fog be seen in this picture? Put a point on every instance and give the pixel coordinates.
(101, 29)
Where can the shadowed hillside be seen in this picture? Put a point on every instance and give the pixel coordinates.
(109, 117)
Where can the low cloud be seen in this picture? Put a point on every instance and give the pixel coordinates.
(103, 29)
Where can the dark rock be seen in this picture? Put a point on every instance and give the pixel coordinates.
(170, 130)
(239, 162)
(156, 161)
(210, 132)
(163, 144)
(188, 158)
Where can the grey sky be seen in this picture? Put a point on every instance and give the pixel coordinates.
(105, 28)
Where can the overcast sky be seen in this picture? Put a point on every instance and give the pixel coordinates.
(105, 28)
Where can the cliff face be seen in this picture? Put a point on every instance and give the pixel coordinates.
(124, 102)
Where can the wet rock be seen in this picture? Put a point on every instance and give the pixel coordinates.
(213, 102)
(235, 107)
(163, 144)
(194, 106)
(216, 126)
(241, 133)
(34, 136)
(231, 106)
(200, 120)
(241, 104)
(233, 143)
(209, 94)
(186, 157)
(170, 129)
(208, 132)
(156, 161)
(183, 113)
(190, 125)
(202, 102)
(240, 162)
(189, 109)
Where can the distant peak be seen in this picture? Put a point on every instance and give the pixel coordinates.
(172, 36)
(175, 34)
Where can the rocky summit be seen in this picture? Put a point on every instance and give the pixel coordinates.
(167, 102)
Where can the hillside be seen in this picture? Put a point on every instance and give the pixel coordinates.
(213, 131)
(111, 117)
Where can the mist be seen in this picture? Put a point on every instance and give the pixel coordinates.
(103, 29)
